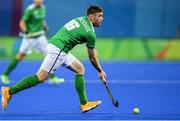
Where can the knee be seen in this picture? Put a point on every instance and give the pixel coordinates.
(20, 56)
(81, 69)
(42, 76)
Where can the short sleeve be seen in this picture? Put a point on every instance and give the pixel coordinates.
(91, 40)
(26, 15)
(44, 11)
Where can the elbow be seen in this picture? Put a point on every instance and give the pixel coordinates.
(20, 23)
(92, 58)
(92, 55)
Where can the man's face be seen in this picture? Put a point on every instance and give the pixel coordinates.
(97, 19)
(38, 2)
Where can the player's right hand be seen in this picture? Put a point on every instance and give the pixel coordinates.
(102, 76)
(25, 32)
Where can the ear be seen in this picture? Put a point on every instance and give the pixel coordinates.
(91, 16)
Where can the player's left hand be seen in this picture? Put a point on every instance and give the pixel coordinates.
(46, 29)
(102, 76)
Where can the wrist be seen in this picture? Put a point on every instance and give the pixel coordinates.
(46, 29)
(26, 32)
(100, 70)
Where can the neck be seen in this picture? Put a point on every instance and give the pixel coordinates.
(38, 6)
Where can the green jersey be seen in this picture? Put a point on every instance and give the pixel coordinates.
(78, 31)
(34, 16)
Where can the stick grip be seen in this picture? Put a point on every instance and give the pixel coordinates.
(21, 34)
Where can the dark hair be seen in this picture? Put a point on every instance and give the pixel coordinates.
(94, 9)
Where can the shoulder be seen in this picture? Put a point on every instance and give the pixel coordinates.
(30, 7)
(91, 36)
(86, 24)
(43, 7)
(81, 19)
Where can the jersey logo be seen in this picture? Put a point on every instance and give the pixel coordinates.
(72, 25)
(38, 15)
(85, 25)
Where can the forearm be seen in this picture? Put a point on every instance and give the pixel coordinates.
(96, 64)
(95, 61)
(44, 25)
(93, 57)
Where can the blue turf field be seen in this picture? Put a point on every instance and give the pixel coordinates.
(154, 87)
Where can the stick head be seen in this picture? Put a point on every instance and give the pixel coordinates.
(115, 102)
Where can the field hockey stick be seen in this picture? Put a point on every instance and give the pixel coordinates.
(21, 34)
(114, 101)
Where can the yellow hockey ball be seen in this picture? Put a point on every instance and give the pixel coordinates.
(136, 110)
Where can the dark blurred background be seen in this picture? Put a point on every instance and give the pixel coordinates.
(132, 29)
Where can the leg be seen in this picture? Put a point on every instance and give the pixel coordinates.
(30, 81)
(42, 47)
(26, 83)
(85, 105)
(26, 46)
(4, 77)
(78, 68)
(55, 80)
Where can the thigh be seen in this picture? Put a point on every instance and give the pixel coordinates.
(41, 45)
(68, 59)
(27, 45)
(51, 63)
(76, 66)
(53, 59)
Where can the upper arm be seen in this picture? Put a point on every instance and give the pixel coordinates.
(92, 52)
(43, 22)
(26, 15)
(91, 40)
(22, 24)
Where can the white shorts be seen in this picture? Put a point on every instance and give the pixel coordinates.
(56, 58)
(39, 44)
